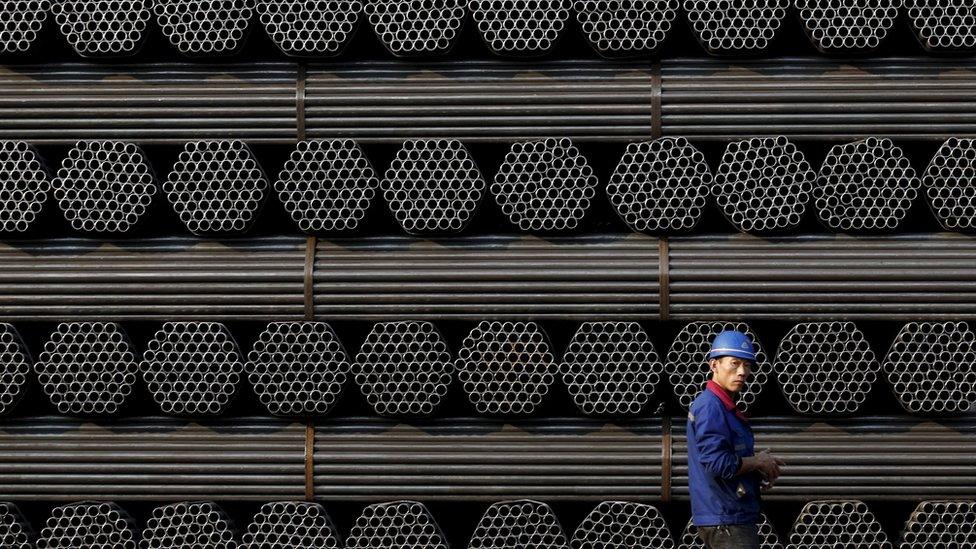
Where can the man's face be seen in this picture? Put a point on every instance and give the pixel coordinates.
(730, 373)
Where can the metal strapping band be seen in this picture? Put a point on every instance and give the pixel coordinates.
(666, 458)
(309, 465)
(656, 100)
(664, 297)
(300, 102)
(310, 245)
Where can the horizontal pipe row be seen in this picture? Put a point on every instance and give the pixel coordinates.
(762, 185)
(465, 459)
(525, 27)
(304, 525)
(406, 368)
(804, 99)
(921, 277)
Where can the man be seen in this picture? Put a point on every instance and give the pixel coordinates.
(724, 473)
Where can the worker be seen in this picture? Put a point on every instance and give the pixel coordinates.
(725, 475)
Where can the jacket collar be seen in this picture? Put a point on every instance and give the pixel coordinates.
(726, 399)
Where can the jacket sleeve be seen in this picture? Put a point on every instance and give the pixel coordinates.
(714, 443)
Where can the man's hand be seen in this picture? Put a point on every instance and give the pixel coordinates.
(769, 465)
(766, 463)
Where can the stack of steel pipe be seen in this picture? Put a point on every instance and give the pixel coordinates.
(96, 525)
(417, 27)
(868, 185)
(327, 185)
(433, 186)
(612, 521)
(24, 186)
(216, 187)
(287, 524)
(612, 368)
(544, 186)
(520, 27)
(218, 27)
(306, 28)
(847, 26)
(825, 368)
(660, 186)
(597, 277)
(388, 525)
(948, 181)
(940, 523)
(480, 101)
(101, 28)
(587, 278)
(154, 279)
(104, 186)
(905, 277)
(15, 531)
(818, 99)
(152, 458)
(404, 368)
(298, 368)
(491, 101)
(16, 361)
(186, 525)
(506, 368)
(822, 523)
(87, 368)
(467, 459)
(518, 523)
(730, 27)
(22, 23)
(763, 184)
(192, 368)
(148, 103)
(875, 458)
(829, 523)
(928, 367)
(942, 25)
(508, 28)
(552, 459)
(626, 27)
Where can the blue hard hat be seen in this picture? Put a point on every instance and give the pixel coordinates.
(733, 343)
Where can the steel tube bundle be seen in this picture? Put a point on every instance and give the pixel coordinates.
(404, 368)
(831, 523)
(383, 525)
(148, 103)
(935, 523)
(492, 101)
(818, 99)
(588, 277)
(301, 524)
(471, 459)
(872, 458)
(480, 101)
(433, 186)
(87, 368)
(154, 279)
(906, 277)
(554, 459)
(591, 278)
(518, 523)
(161, 459)
(81, 524)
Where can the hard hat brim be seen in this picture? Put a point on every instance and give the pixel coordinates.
(745, 355)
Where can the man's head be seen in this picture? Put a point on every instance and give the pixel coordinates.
(731, 359)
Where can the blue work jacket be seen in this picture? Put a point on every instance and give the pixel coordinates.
(717, 441)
